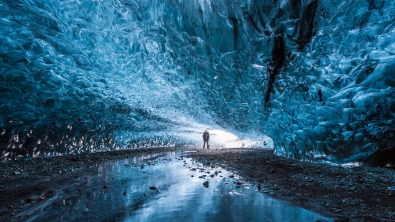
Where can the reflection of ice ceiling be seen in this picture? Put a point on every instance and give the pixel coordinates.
(81, 76)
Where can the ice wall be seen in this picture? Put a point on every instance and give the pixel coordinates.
(85, 76)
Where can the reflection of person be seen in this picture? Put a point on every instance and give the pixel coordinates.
(206, 138)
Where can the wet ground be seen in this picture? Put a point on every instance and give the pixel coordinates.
(165, 186)
(160, 185)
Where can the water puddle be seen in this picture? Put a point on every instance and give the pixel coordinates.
(162, 187)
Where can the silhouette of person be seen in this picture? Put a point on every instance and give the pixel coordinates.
(206, 138)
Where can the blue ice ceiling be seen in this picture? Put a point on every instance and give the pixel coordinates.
(317, 77)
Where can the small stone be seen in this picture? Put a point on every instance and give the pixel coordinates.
(124, 193)
(206, 184)
(33, 198)
(85, 209)
(192, 176)
(105, 186)
(17, 172)
(336, 210)
(152, 188)
(391, 188)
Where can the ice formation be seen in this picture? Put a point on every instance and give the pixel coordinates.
(315, 76)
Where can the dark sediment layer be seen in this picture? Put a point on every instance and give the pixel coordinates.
(344, 193)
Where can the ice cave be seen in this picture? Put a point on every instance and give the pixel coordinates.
(312, 79)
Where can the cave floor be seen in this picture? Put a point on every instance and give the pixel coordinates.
(342, 193)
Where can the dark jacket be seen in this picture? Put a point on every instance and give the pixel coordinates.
(206, 136)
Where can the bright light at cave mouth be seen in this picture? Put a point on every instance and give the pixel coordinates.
(220, 138)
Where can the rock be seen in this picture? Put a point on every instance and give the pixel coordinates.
(391, 188)
(33, 198)
(192, 176)
(105, 186)
(124, 193)
(85, 209)
(152, 188)
(17, 173)
(231, 176)
(336, 210)
(50, 193)
(205, 184)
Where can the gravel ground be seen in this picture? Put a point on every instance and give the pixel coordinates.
(343, 193)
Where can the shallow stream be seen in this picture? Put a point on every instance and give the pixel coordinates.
(163, 187)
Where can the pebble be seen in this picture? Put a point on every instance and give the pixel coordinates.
(206, 184)
(336, 210)
(33, 198)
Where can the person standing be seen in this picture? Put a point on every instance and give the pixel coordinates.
(206, 138)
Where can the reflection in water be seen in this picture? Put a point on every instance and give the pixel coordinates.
(162, 187)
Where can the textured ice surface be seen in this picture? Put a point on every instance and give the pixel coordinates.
(83, 76)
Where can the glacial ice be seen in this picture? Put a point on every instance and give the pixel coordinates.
(315, 76)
